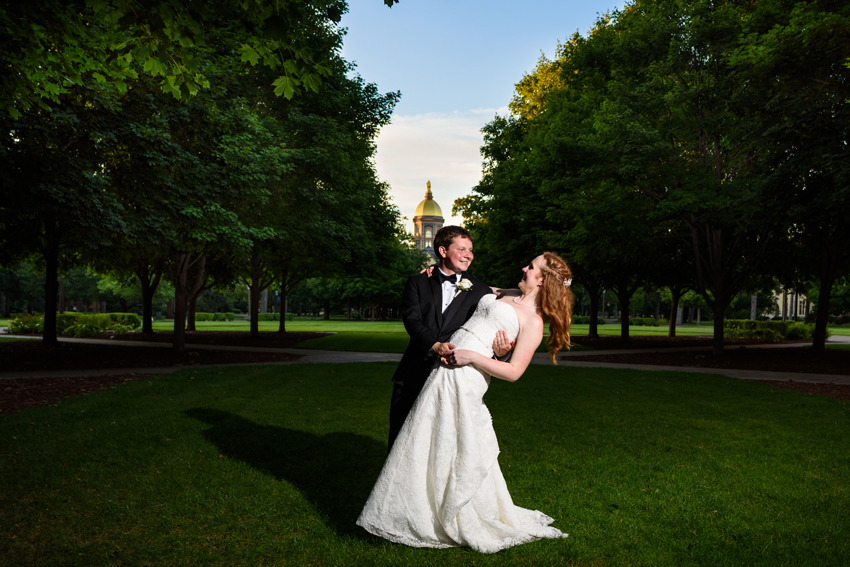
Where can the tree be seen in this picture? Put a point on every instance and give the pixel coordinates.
(795, 57)
(686, 142)
(56, 212)
(53, 45)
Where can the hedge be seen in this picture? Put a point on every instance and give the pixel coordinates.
(779, 327)
(643, 322)
(76, 324)
(128, 319)
(214, 316)
(767, 330)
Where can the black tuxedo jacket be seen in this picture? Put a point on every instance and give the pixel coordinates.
(421, 311)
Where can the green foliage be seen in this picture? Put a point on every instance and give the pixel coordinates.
(769, 331)
(180, 46)
(204, 316)
(764, 335)
(77, 325)
(643, 321)
(674, 113)
(275, 316)
(131, 320)
(83, 330)
(781, 328)
(799, 331)
(26, 324)
(229, 316)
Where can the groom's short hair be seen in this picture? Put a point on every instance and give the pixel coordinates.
(446, 235)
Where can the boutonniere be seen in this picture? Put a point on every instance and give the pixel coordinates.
(464, 285)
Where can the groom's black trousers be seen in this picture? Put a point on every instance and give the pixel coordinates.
(404, 396)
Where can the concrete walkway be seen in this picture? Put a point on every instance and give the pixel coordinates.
(310, 356)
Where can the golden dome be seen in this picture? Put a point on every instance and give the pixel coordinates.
(428, 207)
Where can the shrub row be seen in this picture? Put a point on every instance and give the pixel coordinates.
(769, 331)
(74, 324)
(779, 327)
(644, 322)
(274, 316)
(214, 316)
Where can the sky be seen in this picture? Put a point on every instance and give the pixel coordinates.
(456, 63)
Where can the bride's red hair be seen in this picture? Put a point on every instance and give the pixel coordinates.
(557, 302)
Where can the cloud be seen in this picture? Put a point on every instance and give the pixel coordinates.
(441, 147)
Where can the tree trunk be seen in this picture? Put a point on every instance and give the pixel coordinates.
(190, 315)
(180, 300)
(593, 327)
(675, 295)
(282, 326)
(828, 268)
(183, 294)
(51, 282)
(624, 297)
(718, 339)
(254, 311)
(148, 290)
(327, 307)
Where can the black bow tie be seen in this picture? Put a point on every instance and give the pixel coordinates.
(444, 278)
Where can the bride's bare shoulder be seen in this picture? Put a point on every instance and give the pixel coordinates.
(529, 319)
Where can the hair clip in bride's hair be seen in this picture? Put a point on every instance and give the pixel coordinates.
(568, 282)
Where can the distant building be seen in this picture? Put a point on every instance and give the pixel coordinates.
(426, 222)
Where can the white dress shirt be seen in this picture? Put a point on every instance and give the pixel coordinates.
(449, 290)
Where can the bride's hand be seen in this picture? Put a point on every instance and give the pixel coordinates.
(459, 357)
(502, 345)
(429, 270)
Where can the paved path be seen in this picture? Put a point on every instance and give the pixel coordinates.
(310, 356)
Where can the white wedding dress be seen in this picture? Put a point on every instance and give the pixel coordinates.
(441, 485)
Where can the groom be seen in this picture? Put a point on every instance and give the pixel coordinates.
(433, 308)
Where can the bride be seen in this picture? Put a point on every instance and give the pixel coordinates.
(441, 485)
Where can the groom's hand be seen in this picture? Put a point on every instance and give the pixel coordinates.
(501, 344)
(442, 349)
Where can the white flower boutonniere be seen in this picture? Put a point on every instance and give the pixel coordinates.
(464, 285)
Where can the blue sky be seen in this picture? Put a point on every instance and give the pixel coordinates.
(455, 63)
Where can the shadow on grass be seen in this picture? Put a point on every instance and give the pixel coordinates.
(334, 472)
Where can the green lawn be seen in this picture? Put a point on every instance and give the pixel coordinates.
(375, 342)
(336, 325)
(271, 465)
(839, 347)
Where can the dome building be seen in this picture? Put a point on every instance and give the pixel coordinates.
(426, 222)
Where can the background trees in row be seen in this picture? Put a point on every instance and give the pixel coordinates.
(232, 184)
(683, 145)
